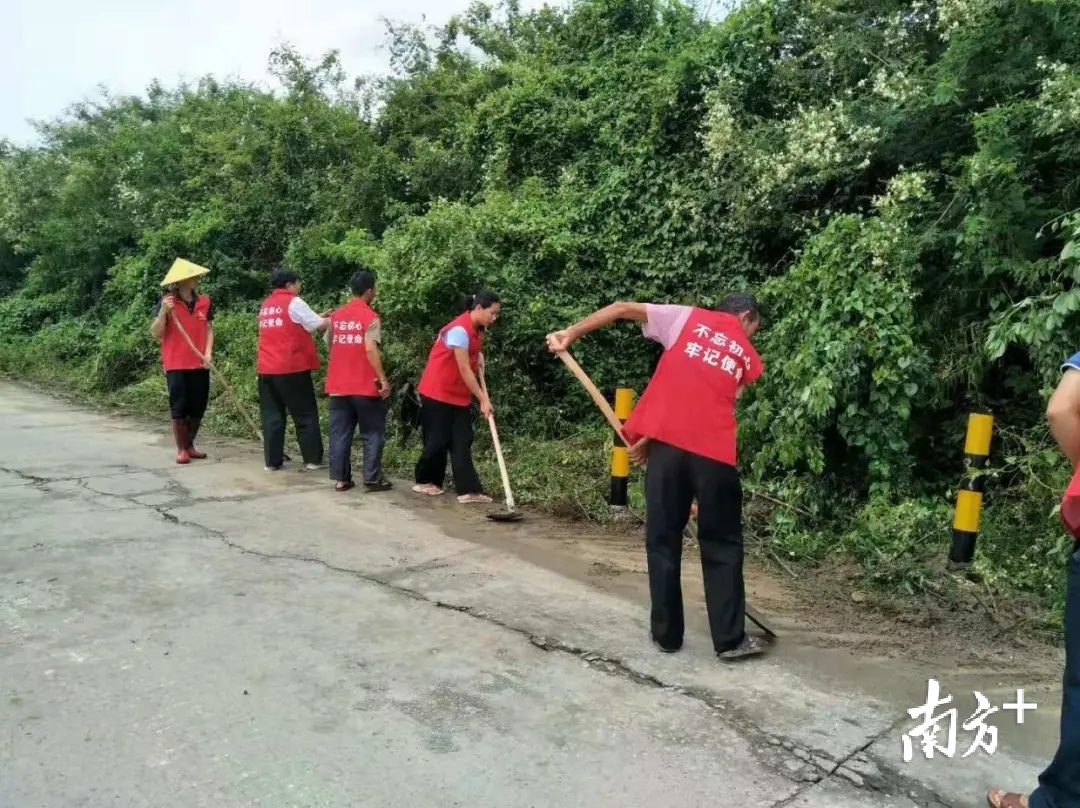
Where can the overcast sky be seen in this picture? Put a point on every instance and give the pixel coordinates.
(56, 52)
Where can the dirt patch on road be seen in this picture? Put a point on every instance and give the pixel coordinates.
(811, 607)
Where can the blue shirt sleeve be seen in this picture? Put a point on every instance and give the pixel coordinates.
(456, 337)
(1072, 363)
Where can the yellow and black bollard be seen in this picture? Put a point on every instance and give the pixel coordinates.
(620, 456)
(969, 498)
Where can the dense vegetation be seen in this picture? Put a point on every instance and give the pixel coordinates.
(898, 181)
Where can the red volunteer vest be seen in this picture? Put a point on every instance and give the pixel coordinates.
(176, 354)
(690, 401)
(348, 370)
(441, 379)
(284, 346)
(1070, 506)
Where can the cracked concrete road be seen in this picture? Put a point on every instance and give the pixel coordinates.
(212, 635)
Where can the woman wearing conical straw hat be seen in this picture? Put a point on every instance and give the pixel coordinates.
(183, 323)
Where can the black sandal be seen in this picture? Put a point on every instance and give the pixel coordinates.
(345, 486)
(750, 646)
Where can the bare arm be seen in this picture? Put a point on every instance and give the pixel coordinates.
(605, 317)
(372, 338)
(375, 358)
(467, 374)
(157, 327)
(1063, 414)
(209, 352)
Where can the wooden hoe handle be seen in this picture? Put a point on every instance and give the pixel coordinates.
(498, 451)
(220, 377)
(596, 395)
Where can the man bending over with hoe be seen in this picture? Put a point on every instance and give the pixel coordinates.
(685, 425)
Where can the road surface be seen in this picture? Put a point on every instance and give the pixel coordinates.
(213, 635)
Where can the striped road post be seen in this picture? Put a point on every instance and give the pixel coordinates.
(969, 498)
(620, 456)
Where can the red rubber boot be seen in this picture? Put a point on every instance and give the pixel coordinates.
(180, 433)
(193, 430)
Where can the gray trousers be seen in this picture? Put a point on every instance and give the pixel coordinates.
(347, 415)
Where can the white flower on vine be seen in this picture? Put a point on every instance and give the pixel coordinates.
(900, 25)
(720, 132)
(907, 186)
(825, 138)
(894, 86)
(952, 14)
(1058, 101)
(818, 140)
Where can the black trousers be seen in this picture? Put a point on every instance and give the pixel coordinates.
(447, 429)
(189, 393)
(1059, 785)
(347, 414)
(673, 478)
(292, 394)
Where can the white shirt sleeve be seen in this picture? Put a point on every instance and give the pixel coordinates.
(374, 332)
(301, 314)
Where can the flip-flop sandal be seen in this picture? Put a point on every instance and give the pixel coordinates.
(750, 646)
(345, 486)
(428, 490)
(997, 798)
(478, 499)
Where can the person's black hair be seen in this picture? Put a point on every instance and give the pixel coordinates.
(738, 303)
(282, 277)
(362, 282)
(484, 300)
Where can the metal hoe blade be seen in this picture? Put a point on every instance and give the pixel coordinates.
(751, 614)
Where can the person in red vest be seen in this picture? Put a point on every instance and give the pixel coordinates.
(187, 371)
(685, 426)
(1059, 783)
(286, 357)
(357, 386)
(446, 389)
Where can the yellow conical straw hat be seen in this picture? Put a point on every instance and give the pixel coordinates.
(181, 270)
